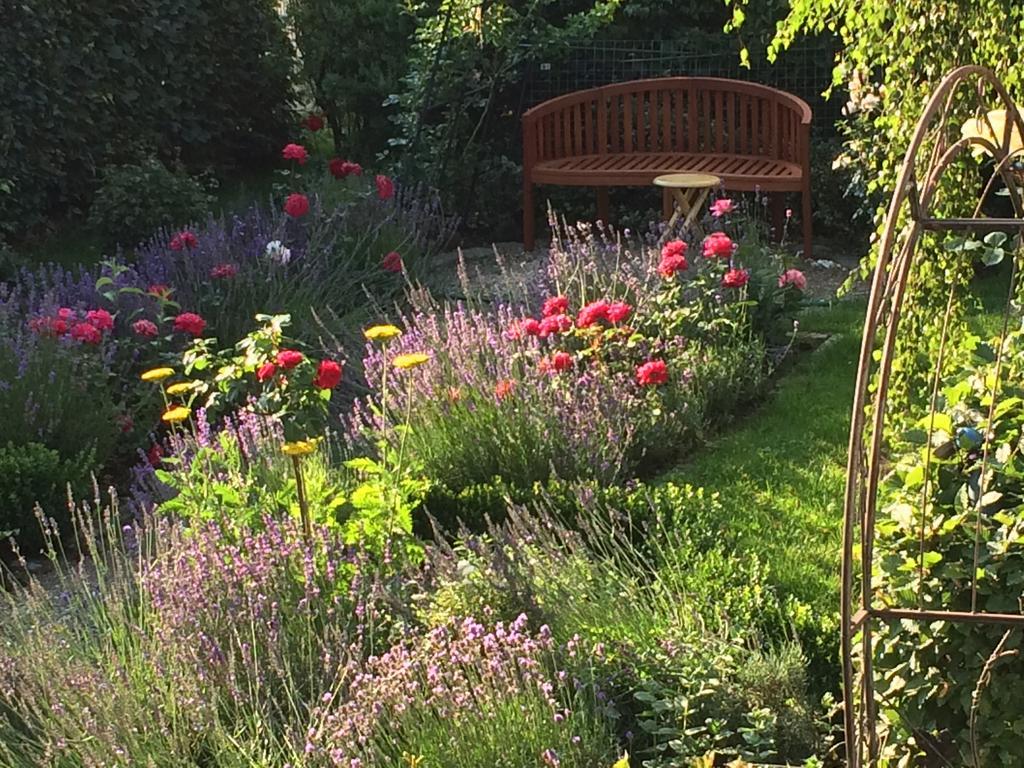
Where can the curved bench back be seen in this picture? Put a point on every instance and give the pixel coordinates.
(706, 115)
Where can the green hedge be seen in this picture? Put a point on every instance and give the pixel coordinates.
(95, 83)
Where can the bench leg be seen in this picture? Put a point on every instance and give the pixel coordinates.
(529, 223)
(806, 219)
(603, 205)
(668, 205)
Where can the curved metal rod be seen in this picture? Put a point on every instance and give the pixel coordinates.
(888, 289)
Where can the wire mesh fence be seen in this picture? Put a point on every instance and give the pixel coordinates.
(805, 70)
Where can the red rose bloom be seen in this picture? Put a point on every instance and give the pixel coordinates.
(159, 290)
(560, 361)
(99, 319)
(313, 123)
(295, 152)
(718, 244)
(145, 328)
(385, 188)
(48, 326)
(65, 313)
(341, 168)
(652, 373)
(86, 333)
(530, 326)
(328, 375)
(504, 388)
(554, 324)
(592, 313)
(222, 271)
(288, 358)
(183, 239)
(735, 278)
(673, 248)
(555, 305)
(618, 311)
(189, 322)
(392, 262)
(266, 372)
(296, 205)
(673, 258)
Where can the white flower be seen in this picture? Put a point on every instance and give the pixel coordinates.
(277, 253)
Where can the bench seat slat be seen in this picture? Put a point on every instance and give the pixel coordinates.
(640, 168)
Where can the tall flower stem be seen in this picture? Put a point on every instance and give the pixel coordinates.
(300, 490)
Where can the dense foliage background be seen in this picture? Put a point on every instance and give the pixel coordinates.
(90, 84)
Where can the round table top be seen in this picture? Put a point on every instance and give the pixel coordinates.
(688, 181)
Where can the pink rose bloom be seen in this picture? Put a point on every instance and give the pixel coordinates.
(735, 278)
(392, 262)
(618, 311)
(222, 271)
(555, 305)
(100, 319)
(555, 324)
(592, 313)
(385, 188)
(182, 240)
(86, 333)
(722, 207)
(295, 152)
(793, 277)
(718, 245)
(145, 328)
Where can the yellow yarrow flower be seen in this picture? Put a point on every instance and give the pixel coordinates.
(176, 414)
(180, 388)
(300, 447)
(157, 374)
(381, 332)
(410, 360)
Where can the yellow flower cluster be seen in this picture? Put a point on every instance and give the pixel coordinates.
(157, 374)
(381, 332)
(300, 447)
(410, 360)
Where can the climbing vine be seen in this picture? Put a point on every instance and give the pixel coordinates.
(892, 57)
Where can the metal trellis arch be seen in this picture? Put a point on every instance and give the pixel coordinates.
(936, 145)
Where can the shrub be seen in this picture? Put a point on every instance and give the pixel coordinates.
(134, 201)
(936, 676)
(32, 474)
(351, 83)
(58, 420)
(210, 79)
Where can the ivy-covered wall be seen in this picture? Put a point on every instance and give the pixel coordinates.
(86, 84)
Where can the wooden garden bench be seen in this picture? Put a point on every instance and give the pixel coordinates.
(753, 137)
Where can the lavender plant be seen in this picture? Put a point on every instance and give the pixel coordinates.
(626, 365)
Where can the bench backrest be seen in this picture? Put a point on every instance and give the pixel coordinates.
(672, 114)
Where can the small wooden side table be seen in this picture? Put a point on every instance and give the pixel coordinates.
(683, 197)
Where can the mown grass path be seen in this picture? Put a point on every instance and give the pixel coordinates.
(781, 470)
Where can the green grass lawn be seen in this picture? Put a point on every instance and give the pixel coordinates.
(781, 471)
